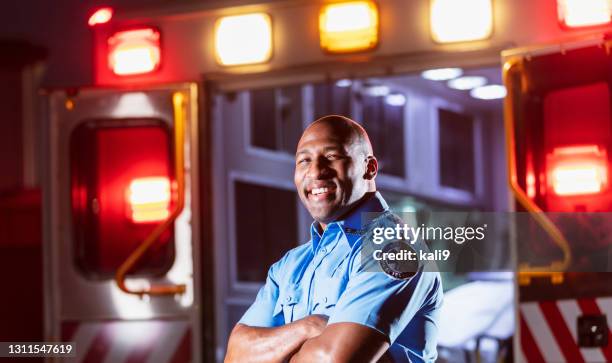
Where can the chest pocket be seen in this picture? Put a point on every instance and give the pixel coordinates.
(287, 301)
(326, 295)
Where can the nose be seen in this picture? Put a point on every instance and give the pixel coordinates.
(319, 169)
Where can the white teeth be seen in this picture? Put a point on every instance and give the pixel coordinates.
(317, 191)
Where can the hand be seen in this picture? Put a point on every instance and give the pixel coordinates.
(315, 324)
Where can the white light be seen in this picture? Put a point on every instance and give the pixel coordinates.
(134, 105)
(577, 13)
(442, 74)
(460, 21)
(395, 99)
(467, 82)
(243, 39)
(490, 92)
(344, 83)
(377, 91)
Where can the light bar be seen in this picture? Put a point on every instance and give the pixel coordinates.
(442, 74)
(100, 16)
(243, 39)
(489, 92)
(461, 21)
(149, 199)
(577, 170)
(467, 82)
(580, 13)
(348, 27)
(134, 51)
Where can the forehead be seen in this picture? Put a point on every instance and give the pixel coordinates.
(325, 136)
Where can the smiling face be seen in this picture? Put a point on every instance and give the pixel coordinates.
(334, 168)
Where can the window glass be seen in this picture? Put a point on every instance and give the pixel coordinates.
(289, 101)
(114, 166)
(385, 126)
(276, 118)
(266, 228)
(263, 123)
(456, 150)
(330, 99)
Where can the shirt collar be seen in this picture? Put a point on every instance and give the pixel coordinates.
(352, 224)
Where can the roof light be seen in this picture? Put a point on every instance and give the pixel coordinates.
(149, 199)
(344, 83)
(467, 82)
(578, 170)
(489, 92)
(579, 13)
(243, 39)
(395, 99)
(377, 91)
(101, 16)
(134, 51)
(460, 21)
(442, 74)
(348, 27)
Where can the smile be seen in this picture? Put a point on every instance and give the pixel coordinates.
(321, 193)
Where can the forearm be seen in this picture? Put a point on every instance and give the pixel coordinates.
(343, 342)
(253, 344)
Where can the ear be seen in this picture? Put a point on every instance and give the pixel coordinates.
(371, 168)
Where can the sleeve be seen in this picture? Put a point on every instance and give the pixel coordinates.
(384, 303)
(261, 312)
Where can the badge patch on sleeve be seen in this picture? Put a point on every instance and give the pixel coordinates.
(399, 260)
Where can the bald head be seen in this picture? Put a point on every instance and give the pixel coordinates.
(342, 128)
(334, 167)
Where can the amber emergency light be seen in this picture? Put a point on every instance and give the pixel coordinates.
(348, 26)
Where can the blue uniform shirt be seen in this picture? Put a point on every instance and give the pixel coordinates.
(326, 276)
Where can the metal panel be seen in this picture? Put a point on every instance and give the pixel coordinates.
(74, 297)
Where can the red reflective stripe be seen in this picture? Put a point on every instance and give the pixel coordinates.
(563, 336)
(528, 344)
(183, 351)
(589, 306)
(99, 346)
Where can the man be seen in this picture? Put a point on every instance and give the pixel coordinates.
(322, 302)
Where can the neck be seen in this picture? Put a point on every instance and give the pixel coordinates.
(350, 208)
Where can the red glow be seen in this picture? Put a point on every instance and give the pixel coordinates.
(121, 190)
(100, 16)
(578, 170)
(134, 51)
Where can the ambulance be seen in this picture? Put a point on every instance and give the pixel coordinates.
(168, 182)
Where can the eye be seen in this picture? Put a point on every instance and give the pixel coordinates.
(334, 157)
(303, 161)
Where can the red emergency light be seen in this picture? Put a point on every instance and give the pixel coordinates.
(135, 51)
(149, 199)
(584, 13)
(121, 180)
(578, 170)
(100, 16)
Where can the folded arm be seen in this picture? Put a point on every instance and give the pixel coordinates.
(343, 342)
(255, 344)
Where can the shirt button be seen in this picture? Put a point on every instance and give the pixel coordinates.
(288, 298)
(323, 250)
(325, 299)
